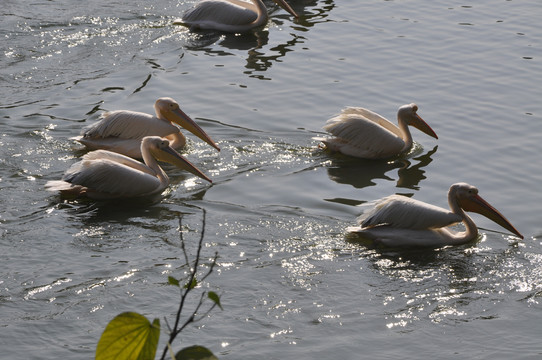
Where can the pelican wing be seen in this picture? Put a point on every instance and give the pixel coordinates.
(372, 116)
(402, 212)
(220, 11)
(106, 176)
(128, 147)
(128, 125)
(118, 158)
(361, 136)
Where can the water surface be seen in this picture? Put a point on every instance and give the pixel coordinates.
(292, 284)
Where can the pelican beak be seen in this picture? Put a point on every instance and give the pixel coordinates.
(173, 157)
(283, 4)
(180, 118)
(476, 204)
(421, 125)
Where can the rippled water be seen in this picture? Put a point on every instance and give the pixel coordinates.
(292, 284)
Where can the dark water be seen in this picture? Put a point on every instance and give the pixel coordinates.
(291, 282)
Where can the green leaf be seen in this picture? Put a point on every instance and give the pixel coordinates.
(216, 299)
(195, 352)
(129, 336)
(172, 281)
(191, 285)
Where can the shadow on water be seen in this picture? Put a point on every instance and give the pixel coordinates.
(420, 256)
(203, 40)
(254, 41)
(454, 263)
(459, 269)
(123, 210)
(362, 173)
(258, 59)
(456, 279)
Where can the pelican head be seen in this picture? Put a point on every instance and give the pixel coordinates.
(409, 115)
(168, 109)
(161, 151)
(469, 200)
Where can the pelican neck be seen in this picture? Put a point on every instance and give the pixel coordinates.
(405, 131)
(471, 230)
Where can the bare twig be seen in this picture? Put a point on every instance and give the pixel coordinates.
(185, 290)
(182, 241)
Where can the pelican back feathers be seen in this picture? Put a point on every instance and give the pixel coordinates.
(129, 125)
(399, 211)
(362, 133)
(216, 11)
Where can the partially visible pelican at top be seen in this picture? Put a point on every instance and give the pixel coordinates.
(229, 15)
(121, 131)
(103, 174)
(365, 134)
(398, 221)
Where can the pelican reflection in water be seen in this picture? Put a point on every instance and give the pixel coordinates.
(362, 133)
(407, 172)
(235, 16)
(103, 174)
(121, 131)
(398, 221)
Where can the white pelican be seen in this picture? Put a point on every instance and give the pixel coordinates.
(362, 133)
(229, 15)
(121, 131)
(103, 174)
(398, 221)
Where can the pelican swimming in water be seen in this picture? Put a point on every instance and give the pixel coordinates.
(398, 221)
(103, 174)
(229, 15)
(362, 133)
(121, 131)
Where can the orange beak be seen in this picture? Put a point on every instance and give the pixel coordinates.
(283, 4)
(180, 118)
(421, 125)
(171, 156)
(478, 205)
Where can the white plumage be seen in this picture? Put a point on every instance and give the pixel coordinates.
(130, 124)
(121, 131)
(365, 134)
(211, 12)
(103, 174)
(229, 15)
(398, 221)
(391, 211)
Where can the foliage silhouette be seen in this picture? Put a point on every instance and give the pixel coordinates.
(132, 336)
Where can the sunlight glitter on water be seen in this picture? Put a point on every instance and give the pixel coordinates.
(254, 156)
(125, 276)
(32, 293)
(525, 279)
(287, 268)
(91, 232)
